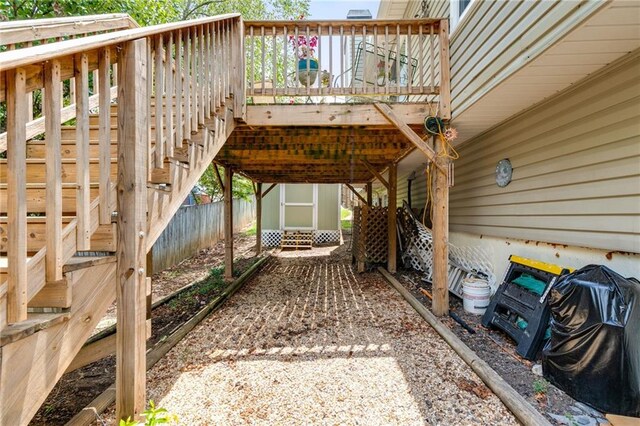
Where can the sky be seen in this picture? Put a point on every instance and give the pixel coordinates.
(338, 9)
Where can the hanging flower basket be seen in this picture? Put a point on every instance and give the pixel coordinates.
(307, 71)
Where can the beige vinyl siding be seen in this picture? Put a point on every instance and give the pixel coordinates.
(418, 190)
(576, 168)
(435, 9)
(271, 208)
(498, 38)
(328, 211)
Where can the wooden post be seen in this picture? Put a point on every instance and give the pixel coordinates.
(83, 195)
(258, 218)
(440, 235)
(133, 146)
(391, 215)
(228, 223)
(370, 194)
(17, 195)
(362, 237)
(54, 171)
(445, 74)
(104, 135)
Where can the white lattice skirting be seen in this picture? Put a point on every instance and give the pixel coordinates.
(325, 237)
(272, 237)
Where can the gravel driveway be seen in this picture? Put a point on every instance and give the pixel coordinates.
(309, 341)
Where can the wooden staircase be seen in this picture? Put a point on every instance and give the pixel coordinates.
(63, 198)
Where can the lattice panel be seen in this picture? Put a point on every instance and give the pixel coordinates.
(271, 237)
(418, 252)
(417, 242)
(377, 239)
(369, 233)
(326, 237)
(476, 260)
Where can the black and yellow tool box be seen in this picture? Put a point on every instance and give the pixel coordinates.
(519, 306)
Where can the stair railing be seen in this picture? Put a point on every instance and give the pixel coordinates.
(21, 34)
(193, 69)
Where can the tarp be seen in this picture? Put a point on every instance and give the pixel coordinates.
(594, 350)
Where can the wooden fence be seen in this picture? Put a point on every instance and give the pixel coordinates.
(194, 228)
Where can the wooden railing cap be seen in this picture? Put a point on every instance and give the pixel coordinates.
(32, 55)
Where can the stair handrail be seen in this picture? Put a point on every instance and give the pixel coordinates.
(196, 66)
(23, 33)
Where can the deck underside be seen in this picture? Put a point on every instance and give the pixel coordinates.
(318, 143)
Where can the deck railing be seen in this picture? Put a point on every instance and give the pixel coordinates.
(354, 57)
(190, 73)
(21, 34)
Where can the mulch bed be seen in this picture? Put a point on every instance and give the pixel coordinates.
(77, 389)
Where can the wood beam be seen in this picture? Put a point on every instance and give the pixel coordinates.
(258, 192)
(218, 177)
(332, 115)
(440, 235)
(16, 309)
(133, 146)
(264, 194)
(53, 162)
(412, 136)
(356, 193)
(392, 190)
(228, 223)
(375, 173)
(369, 194)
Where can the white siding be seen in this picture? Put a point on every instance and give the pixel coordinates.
(576, 161)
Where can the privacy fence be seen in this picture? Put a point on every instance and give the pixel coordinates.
(194, 228)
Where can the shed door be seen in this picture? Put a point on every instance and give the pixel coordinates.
(298, 206)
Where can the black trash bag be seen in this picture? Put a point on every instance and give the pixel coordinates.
(594, 350)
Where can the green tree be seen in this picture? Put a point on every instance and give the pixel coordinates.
(242, 187)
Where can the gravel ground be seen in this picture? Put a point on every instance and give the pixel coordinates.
(308, 341)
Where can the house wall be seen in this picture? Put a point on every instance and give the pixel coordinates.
(576, 178)
(271, 208)
(328, 207)
(496, 39)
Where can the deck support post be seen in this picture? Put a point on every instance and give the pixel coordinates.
(133, 145)
(391, 215)
(228, 223)
(370, 194)
(440, 232)
(258, 193)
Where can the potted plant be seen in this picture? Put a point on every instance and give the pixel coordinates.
(307, 64)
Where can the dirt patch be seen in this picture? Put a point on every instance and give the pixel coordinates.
(77, 389)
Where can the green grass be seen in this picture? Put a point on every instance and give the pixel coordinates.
(344, 213)
(251, 231)
(346, 224)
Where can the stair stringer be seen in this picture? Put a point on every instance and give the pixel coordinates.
(30, 368)
(163, 205)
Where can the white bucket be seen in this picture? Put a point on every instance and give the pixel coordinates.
(476, 295)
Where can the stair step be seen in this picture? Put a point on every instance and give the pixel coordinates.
(81, 262)
(34, 323)
(297, 239)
